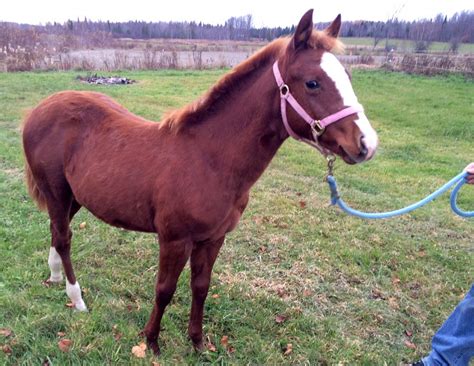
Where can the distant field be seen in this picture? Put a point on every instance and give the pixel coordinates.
(339, 289)
(252, 46)
(152, 54)
(405, 45)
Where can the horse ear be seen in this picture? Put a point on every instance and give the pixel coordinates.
(334, 28)
(303, 30)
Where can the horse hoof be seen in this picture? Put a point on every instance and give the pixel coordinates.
(199, 346)
(52, 281)
(80, 306)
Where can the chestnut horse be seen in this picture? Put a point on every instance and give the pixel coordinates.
(188, 178)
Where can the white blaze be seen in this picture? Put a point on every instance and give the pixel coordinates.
(336, 72)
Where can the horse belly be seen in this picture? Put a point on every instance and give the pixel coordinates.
(134, 218)
(122, 205)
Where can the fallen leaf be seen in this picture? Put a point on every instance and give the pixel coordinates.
(139, 351)
(117, 334)
(297, 309)
(410, 345)
(279, 289)
(408, 333)
(64, 344)
(288, 349)
(231, 349)
(307, 293)
(211, 347)
(61, 334)
(225, 341)
(7, 349)
(280, 318)
(215, 296)
(154, 363)
(395, 281)
(302, 204)
(377, 294)
(392, 301)
(70, 305)
(82, 225)
(5, 332)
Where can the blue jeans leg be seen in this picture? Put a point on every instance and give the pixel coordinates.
(453, 343)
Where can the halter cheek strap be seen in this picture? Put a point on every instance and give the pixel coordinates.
(317, 126)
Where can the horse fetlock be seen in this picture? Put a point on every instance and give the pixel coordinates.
(153, 345)
(199, 346)
(55, 265)
(151, 337)
(195, 334)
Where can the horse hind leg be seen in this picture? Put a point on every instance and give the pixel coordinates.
(61, 242)
(54, 259)
(61, 212)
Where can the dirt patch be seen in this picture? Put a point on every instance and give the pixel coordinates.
(105, 80)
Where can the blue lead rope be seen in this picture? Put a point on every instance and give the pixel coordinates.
(459, 180)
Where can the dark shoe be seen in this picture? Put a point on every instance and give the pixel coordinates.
(418, 363)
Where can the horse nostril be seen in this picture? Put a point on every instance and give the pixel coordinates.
(363, 149)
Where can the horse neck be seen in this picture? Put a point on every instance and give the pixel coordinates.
(245, 132)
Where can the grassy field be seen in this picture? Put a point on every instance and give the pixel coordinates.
(403, 45)
(340, 290)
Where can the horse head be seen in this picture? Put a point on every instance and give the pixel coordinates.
(327, 113)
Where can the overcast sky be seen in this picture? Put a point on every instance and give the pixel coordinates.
(265, 13)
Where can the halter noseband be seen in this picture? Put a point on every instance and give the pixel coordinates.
(317, 126)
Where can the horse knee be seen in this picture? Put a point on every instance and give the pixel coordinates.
(164, 293)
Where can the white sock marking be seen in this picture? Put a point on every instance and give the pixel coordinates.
(334, 69)
(55, 265)
(74, 293)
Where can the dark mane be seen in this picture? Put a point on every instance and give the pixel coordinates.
(194, 112)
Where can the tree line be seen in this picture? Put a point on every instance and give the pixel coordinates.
(458, 28)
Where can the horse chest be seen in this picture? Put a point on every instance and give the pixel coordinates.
(231, 220)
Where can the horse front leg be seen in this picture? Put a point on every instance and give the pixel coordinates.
(203, 257)
(173, 257)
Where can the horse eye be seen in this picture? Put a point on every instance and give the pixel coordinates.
(312, 84)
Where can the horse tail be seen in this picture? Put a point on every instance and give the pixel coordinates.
(33, 188)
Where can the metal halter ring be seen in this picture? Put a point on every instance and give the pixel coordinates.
(284, 90)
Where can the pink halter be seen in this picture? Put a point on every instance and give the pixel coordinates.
(317, 126)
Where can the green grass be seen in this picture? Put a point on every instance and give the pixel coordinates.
(349, 288)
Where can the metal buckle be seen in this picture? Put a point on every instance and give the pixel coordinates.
(316, 127)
